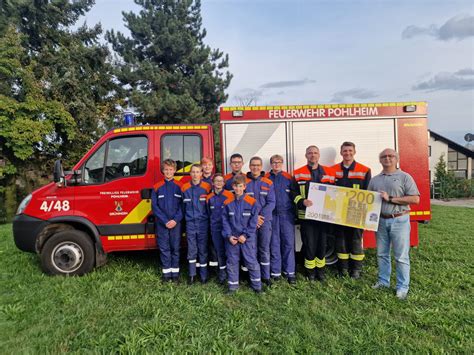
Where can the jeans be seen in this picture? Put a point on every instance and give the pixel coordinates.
(395, 232)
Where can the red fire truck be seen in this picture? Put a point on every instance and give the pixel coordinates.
(103, 205)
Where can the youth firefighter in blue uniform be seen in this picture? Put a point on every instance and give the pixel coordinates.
(261, 188)
(350, 252)
(239, 224)
(207, 171)
(215, 205)
(166, 203)
(283, 223)
(313, 233)
(197, 223)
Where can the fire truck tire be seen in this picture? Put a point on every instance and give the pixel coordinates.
(331, 255)
(68, 252)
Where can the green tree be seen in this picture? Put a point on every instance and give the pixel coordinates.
(167, 72)
(449, 185)
(72, 66)
(29, 123)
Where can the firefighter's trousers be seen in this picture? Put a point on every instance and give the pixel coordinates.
(168, 242)
(219, 246)
(247, 253)
(349, 248)
(197, 252)
(264, 237)
(314, 237)
(283, 245)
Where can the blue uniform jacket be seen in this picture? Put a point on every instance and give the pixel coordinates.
(166, 202)
(282, 183)
(215, 207)
(240, 217)
(194, 202)
(262, 190)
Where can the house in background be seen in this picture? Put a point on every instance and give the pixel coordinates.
(458, 158)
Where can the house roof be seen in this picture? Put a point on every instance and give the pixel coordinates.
(453, 145)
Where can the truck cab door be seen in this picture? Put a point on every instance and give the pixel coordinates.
(113, 192)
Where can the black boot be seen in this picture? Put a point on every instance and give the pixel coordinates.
(356, 269)
(342, 267)
(310, 274)
(320, 274)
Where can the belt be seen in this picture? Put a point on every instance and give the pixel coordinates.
(393, 215)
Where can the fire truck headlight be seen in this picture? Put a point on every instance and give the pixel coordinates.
(238, 113)
(409, 108)
(23, 204)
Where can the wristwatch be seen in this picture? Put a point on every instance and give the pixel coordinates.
(390, 198)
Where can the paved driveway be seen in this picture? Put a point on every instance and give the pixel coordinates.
(465, 202)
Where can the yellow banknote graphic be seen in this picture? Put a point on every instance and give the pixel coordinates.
(341, 205)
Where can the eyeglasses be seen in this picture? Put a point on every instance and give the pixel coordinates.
(277, 162)
(391, 156)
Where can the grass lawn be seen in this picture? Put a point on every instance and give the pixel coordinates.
(123, 307)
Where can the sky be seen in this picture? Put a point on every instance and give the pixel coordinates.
(341, 51)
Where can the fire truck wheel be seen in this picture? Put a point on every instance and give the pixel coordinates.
(68, 252)
(331, 255)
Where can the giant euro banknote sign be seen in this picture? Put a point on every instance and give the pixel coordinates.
(344, 206)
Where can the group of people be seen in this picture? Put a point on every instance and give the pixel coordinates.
(247, 221)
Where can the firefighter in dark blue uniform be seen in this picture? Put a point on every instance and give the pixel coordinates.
(313, 233)
(261, 188)
(166, 202)
(282, 246)
(215, 206)
(197, 223)
(239, 225)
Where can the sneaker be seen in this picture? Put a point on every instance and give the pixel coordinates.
(276, 278)
(267, 282)
(379, 285)
(402, 295)
(258, 291)
(292, 280)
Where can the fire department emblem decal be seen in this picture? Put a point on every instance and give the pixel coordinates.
(118, 206)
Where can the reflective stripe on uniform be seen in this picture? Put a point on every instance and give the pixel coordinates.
(192, 261)
(302, 191)
(309, 264)
(343, 256)
(353, 174)
(320, 262)
(302, 176)
(167, 271)
(213, 263)
(175, 269)
(357, 257)
(297, 198)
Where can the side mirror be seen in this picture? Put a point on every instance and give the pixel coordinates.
(58, 173)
